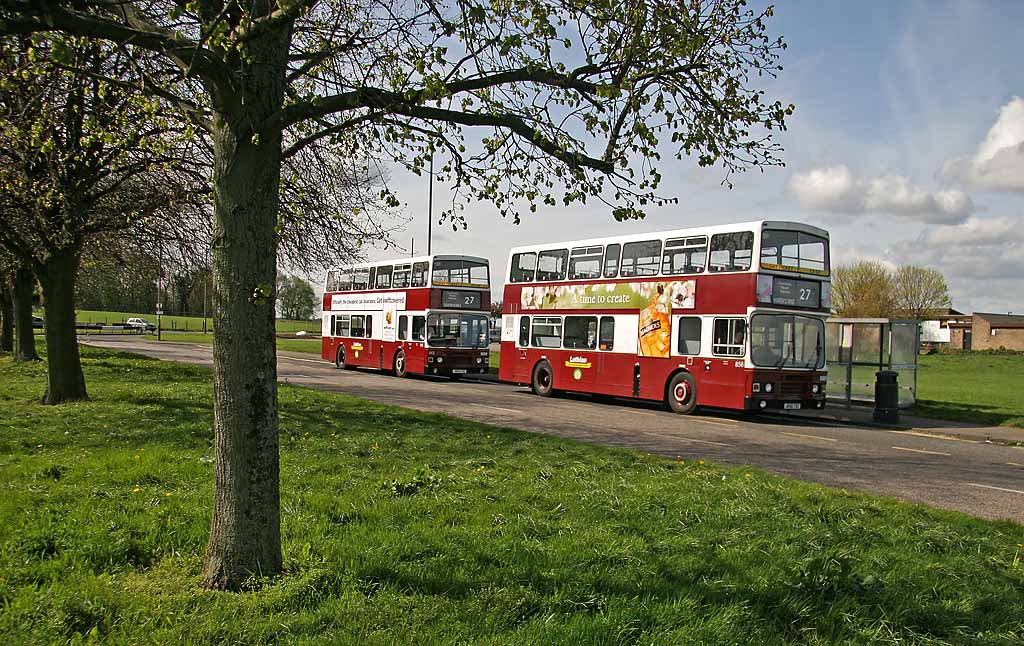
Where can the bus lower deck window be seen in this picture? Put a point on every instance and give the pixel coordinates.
(580, 332)
(689, 335)
(606, 338)
(730, 337)
(547, 331)
(524, 331)
(403, 328)
(358, 326)
(419, 324)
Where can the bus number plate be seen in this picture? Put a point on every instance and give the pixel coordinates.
(791, 405)
(462, 371)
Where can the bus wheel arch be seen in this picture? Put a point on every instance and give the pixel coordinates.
(681, 392)
(543, 379)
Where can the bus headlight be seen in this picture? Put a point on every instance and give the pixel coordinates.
(479, 360)
(815, 389)
(767, 388)
(440, 359)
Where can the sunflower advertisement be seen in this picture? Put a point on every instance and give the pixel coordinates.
(654, 300)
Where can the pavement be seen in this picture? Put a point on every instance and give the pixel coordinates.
(944, 464)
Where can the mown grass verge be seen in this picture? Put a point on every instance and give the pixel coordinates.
(404, 527)
(979, 387)
(309, 346)
(183, 323)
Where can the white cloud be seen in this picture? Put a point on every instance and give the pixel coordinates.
(998, 164)
(838, 190)
(978, 232)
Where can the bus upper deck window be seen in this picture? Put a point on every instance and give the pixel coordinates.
(523, 266)
(360, 278)
(551, 264)
(684, 255)
(731, 251)
(419, 273)
(585, 263)
(384, 277)
(641, 258)
(611, 260)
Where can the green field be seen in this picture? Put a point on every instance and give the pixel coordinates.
(972, 387)
(406, 527)
(185, 323)
(311, 346)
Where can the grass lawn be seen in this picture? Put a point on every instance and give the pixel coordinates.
(972, 387)
(312, 346)
(185, 323)
(401, 527)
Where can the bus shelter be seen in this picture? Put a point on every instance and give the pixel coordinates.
(857, 348)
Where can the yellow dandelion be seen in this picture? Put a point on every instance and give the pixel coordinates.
(168, 494)
(748, 475)
(700, 461)
(136, 490)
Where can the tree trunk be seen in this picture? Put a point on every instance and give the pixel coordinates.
(64, 378)
(24, 284)
(6, 317)
(245, 532)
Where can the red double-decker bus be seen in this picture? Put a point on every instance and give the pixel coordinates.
(727, 316)
(426, 315)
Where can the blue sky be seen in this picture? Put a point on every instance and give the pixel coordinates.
(907, 144)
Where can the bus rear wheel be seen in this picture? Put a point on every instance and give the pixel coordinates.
(400, 369)
(543, 379)
(681, 394)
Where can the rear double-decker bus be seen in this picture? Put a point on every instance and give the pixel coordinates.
(426, 315)
(727, 316)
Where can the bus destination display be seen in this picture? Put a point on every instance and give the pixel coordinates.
(460, 300)
(799, 293)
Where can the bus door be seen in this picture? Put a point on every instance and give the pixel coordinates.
(581, 362)
(723, 380)
(411, 338)
(615, 359)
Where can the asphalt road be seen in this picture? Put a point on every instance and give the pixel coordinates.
(967, 475)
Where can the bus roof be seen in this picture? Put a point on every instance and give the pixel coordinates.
(407, 261)
(754, 225)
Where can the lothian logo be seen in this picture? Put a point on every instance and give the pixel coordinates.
(577, 359)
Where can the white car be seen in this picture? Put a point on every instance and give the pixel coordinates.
(140, 324)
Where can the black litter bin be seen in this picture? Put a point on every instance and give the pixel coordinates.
(887, 397)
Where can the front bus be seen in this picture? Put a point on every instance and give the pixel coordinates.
(458, 321)
(786, 364)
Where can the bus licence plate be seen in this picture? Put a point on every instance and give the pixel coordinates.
(462, 371)
(791, 405)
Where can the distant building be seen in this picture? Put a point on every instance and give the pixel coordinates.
(994, 331)
(984, 331)
(936, 331)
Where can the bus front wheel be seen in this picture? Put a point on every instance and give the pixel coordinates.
(339, 358)
(401, 370)
(681, 394)
(543, 379)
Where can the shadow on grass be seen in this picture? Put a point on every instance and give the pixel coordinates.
(968, 413)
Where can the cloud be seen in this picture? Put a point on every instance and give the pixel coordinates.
(998, 164)
(838, 190)
(978, 232)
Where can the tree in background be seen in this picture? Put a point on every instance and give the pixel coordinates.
(919, 292)
(573, 97)
(296, 299)
(863, 289)
(6, 308)
(82, 156)
(869, 289)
